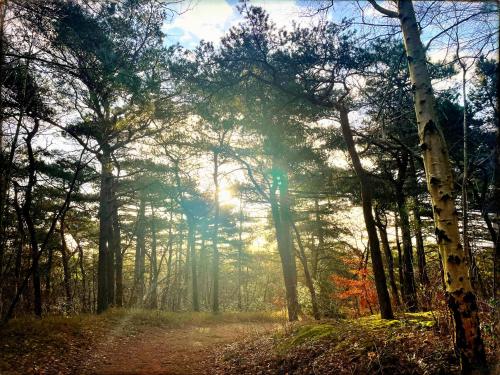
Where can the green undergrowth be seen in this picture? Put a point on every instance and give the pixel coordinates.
(410, 344)
(339, 330)
(417, 320)
(307, 333)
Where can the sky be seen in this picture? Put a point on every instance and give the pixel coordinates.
(210, 19)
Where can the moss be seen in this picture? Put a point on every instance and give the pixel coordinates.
(421, 314)
(307, 334)
(427, 324)
(424, 319)
(363, 329)
(375, 322)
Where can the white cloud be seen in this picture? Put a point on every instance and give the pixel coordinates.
(282, 13)
(204, 19)
(211, 19)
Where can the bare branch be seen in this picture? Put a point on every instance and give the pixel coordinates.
(387, 12)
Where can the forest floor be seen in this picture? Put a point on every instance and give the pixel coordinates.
(413, 343)
(153, 351)
(126, 342)
(152, 343)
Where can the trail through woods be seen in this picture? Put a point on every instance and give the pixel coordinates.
(135, 341)
(165, 350)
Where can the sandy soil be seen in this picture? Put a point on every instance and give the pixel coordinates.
(165, 351)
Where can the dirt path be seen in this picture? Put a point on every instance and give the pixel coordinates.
(165, 351)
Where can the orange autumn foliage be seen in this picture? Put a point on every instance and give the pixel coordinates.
(359, 288)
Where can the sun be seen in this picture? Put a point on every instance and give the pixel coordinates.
(225, 195)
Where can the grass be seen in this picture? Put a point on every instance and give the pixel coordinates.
(53, 326)
(142, 317)
(24, 334)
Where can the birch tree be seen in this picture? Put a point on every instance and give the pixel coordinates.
(459, 293)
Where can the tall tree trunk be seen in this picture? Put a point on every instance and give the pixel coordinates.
(319, 234)
(382, 228)
(247, 278)
(473, 270)
(6, 165)
(183, 271)
(118, 254)
(280, 209)
(93, 289)
(110, 259)
(153, 293)
(366, 198)
(105, 231)
(240, 252)
(460, 295)
(28, 219)
(3, 177)
(465, 176)
(192, 253)
(215, 259)
(307, 274)
(21, 239)
(408, 288)
(140, 252)
(170, 249)
(65, 264)
(422, 263)
(176, 298)
(48, 272)
(84, 300)
(364, 266)
(496, 196)
(203, 272)
(419, 238)
(398, 248)
(187, 270)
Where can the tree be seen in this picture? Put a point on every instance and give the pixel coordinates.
(94, 54)
(305, 83)
(483, 98)
(269, 125)
(366, 198)
(382, 227)
(460, 295)
(358, 284)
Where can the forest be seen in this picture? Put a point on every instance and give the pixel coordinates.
(249, 187)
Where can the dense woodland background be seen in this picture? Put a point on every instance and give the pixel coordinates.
(136, 173)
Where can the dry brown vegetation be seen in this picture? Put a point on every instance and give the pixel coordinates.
(150, 342)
